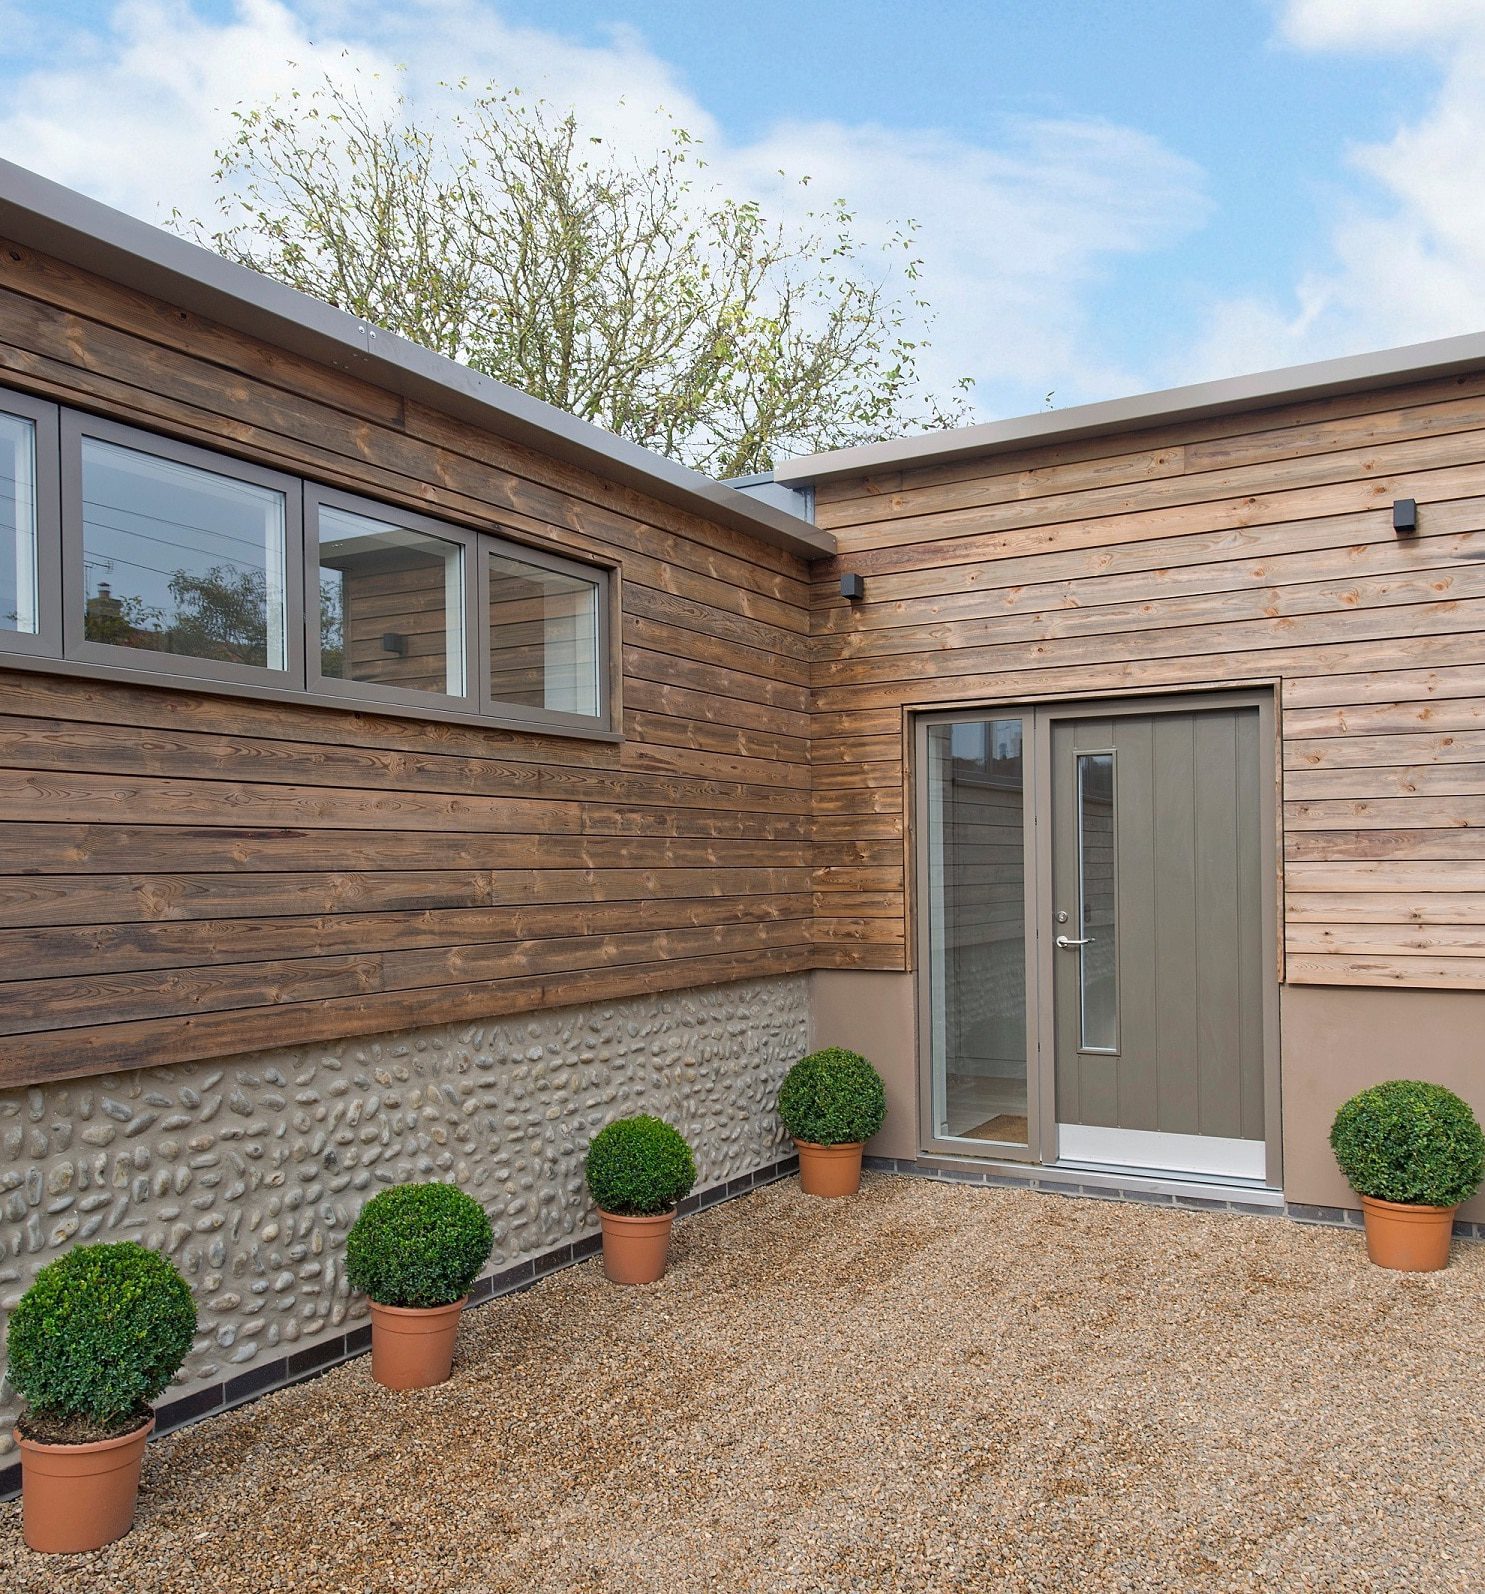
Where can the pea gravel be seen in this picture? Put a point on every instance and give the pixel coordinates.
(928, 1387)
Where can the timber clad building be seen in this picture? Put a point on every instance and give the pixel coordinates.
(399, 779)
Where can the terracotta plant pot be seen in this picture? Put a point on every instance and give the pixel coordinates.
(830, 1170)
(1412, 1239)
(412, 1347)
(635, 1250)
(80, 1497)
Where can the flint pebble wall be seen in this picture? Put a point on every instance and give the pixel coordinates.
(248, 1171)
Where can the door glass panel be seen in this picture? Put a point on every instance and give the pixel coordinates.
(391, 605)
(1097, 903)
(181, 560)
(18, 596)
(977, 930)
(543, 637)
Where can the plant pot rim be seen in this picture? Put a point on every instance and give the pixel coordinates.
(637, 1217)
(830, 1145)
(419, 1311)
(86, 1446)
(1406, 1206)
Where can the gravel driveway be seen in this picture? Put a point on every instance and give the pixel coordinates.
(929, 1387)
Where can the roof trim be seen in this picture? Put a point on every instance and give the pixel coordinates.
(1350, 374)
(40, 214)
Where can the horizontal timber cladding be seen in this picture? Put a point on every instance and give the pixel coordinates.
(186, 875)
(1242, 549)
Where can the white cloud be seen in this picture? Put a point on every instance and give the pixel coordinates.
(1014, 235)
(1406, 253)
(1363, 25)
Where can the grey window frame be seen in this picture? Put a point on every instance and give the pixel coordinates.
(597, 576)
(60, 648)
(46, 640)
(75, 427)
(371, 692)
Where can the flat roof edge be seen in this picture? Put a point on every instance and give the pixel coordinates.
(1264, 389)
(43, 215)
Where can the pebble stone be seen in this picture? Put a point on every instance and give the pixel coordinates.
(248, 1172)
(929, 1387)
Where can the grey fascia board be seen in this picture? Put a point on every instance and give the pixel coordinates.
(1352, 373)
(43, 215)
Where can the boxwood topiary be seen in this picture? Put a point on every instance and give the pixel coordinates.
(639, 1167)
(832, 1097)
(96, 1338)
(418, 1245)
(1411, 1142)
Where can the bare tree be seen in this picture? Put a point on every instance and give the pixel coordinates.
(619, 290)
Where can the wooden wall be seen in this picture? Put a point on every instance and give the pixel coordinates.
(1251, 549)
(185, 875)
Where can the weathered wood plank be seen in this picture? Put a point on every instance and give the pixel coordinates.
(1417, 906)
(99, 904)
(58, 848)
(57, 1004)
(35, 1059)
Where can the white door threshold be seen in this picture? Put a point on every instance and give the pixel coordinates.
(1206, 1156)
(1085, 1179)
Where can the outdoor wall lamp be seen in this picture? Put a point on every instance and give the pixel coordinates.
(853, 587)
(394, 642)
(1404, 515)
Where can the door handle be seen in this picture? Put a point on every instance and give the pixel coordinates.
(1066, 943)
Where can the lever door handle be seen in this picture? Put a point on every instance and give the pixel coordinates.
(1066, 943)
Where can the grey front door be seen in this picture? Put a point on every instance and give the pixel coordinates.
(1157, 907)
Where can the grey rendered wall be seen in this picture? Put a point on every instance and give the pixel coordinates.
(874, 1013)
(1340, 1039)
(248, 1171)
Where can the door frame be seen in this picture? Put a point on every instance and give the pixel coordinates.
(1039, 716)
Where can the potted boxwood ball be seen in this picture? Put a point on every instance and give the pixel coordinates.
(832, 1102)
(92, 1344)
(1413, 1152)
(638, 1169)
(414, 1252)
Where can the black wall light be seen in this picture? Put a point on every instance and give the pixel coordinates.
(1404, 515)
(853, 587)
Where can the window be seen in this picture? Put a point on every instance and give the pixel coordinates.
(20, 596)
(544, 636)
(128, 554)
(390, 604)
(28, 496)
(181, 560)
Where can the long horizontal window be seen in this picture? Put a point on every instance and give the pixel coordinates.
(143, 557)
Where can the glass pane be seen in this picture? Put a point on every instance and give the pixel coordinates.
(180, 560)
(391, 605)
(18, 595)
(1096, 904)
(543, 637)
(977, 930)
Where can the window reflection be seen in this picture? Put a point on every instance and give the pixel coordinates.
(391, 605)
(543, 637)
(18, 590)
(181, 560)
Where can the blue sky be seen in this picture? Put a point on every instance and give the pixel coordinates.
(1113, 196)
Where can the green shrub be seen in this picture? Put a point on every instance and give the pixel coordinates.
(418, 1245)
(99, 1335)
(1411, 1142)
(639, 1167)
(832, 1097)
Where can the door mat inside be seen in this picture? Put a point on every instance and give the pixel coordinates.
(1007, 1126)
